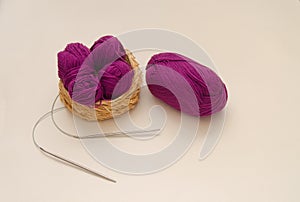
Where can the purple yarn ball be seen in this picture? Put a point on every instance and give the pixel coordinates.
(185, 84)
(81, 70)
(105, 51)
(87, 89)
(80, 80)
(71, 59)
(116, 79)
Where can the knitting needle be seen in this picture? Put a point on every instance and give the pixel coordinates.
(109, 134)
(62, 159)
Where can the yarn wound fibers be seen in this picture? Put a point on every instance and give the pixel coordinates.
(185, 84)
(92, 74)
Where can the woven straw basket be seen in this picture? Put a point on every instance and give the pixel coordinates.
(108, 108)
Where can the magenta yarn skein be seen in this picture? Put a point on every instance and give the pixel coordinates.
(71, 59)
(79, 80)
(116, 79)
(166, 75)
(108, 56)
(92, 74)
(106, 50)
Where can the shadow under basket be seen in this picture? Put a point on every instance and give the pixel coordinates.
(107, 109)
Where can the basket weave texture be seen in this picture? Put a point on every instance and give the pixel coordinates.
(107, 109)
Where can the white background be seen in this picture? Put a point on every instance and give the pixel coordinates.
(256, 48)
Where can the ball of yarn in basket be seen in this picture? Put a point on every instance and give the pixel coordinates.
(116, 79)
(92, 75)
(71, 59)
(80, 81)
(109, 56)
(106, 50)
(199, 90)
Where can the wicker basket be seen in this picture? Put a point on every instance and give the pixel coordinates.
(108, 108)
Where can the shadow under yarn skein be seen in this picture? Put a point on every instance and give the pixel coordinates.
(167, 75)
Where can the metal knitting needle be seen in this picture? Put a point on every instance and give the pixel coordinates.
(110, 134)
(62, 159)
(72, 163)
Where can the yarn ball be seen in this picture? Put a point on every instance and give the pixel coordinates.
(91, 75)
(105, 51)
(108, 57)
(87, 89)
(116, 79)
(185, 84)
(71, 58)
